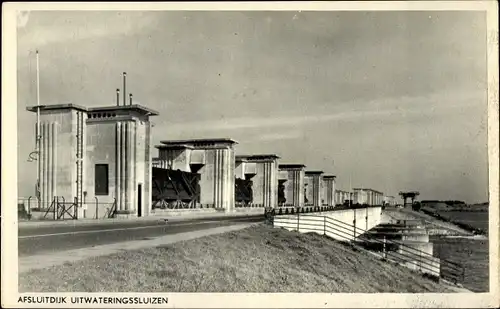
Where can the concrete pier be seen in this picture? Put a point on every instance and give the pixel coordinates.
(213, 159)
(263, 171)
(292, 177)
(329, 194)
(313, 188)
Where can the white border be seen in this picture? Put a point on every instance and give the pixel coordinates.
(9, 262)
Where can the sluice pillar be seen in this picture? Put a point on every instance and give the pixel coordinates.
(291, 178)
(118, 160)
(313, 188)
(262, 170)
(213, 159)
(329, 196)
(98, 157)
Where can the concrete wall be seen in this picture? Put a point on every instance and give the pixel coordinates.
(175, 159)
(341, 226)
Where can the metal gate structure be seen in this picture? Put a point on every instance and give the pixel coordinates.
(62, 210)
(175, 189)
(281, 192)
(243, 192)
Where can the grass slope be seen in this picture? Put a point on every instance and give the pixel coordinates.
(257, 259)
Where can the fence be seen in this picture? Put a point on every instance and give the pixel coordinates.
(247, 205)
(389, 249)
(179, 205)
(62, 209)
(98, 209)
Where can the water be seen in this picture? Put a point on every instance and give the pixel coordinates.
(476, 219)
(470, 251)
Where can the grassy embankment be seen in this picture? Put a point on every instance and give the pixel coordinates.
(257, 259)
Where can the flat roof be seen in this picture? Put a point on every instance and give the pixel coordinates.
(55, 106)
(177, 146)
(314, 172)
(295, 166)
(366, 189)
(257, 157)
(329, 176)
(134, 107)
(199, 141)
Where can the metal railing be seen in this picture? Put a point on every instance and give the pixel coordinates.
(326, 225)
(60, 208)
(96, 205)
(286, 210)
(179, 205)
(247, 205)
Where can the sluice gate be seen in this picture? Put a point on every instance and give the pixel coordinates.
(175, 189)
(243, 192)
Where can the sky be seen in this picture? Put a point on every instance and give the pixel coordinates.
(392, 101)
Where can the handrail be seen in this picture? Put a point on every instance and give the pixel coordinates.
(364, 231)
(347, 229)
(347, 236)
(396, 255)
(395, 242)
(424, 262)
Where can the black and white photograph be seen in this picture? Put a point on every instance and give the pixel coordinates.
(246, 150)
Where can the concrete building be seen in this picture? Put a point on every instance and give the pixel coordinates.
(291, 182)
(313, 188)
(213, 159)
(366, 196)
(389, 200)
(329, 196)
(263, 171)
(100, 153)
(341, 197)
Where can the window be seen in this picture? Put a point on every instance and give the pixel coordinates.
(101, 179)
